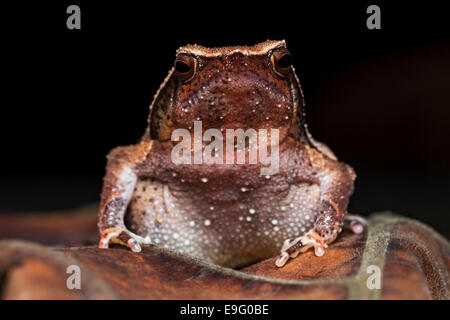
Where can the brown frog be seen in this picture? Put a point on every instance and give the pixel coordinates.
(229, 214)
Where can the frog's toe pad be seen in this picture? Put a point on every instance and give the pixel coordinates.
(355, 223)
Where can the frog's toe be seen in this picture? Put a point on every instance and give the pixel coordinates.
(291, 249)
(355, 223)
(120, 236)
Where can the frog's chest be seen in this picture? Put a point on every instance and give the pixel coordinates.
(239, 226)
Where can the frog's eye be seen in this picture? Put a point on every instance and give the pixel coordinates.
(185, 66)
(281, 61)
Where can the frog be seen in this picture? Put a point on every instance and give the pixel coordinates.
(227, 214)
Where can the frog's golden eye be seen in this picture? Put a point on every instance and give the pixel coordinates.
(281, 61)
(185, 66)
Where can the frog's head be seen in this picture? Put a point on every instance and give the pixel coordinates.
(229, 88)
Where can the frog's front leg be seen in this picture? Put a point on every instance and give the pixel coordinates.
(336, 184)
(118, 188)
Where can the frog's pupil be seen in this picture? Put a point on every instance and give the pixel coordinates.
(182, 66)
(285, 61)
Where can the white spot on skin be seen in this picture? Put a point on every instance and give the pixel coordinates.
(244, 189)
(192, 223)
(274, 221)
(204, 180)
(207, 222)
(202, 243)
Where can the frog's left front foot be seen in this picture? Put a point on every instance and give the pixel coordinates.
(291, 249)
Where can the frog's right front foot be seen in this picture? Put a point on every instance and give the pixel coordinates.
(123, 237)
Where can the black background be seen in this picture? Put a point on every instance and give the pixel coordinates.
(379, 98)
